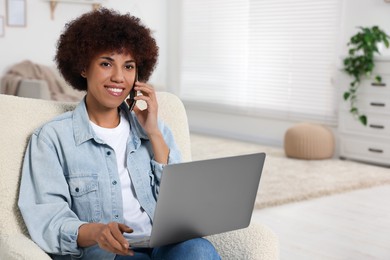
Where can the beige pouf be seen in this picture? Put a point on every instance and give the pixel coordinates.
(309, 141)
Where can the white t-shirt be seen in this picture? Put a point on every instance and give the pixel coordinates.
(134, 216)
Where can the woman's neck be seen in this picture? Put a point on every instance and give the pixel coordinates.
(107, 118)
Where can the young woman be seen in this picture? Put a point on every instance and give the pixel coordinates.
(91, 176)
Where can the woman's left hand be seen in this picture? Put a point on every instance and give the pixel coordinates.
(148, 120)
(148, 116)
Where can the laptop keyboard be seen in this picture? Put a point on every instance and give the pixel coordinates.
(139, 242)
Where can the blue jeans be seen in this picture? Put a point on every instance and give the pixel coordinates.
(193, 249)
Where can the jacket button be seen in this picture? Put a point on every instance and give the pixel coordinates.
(114, 183)
(77, 189)
(109, 153)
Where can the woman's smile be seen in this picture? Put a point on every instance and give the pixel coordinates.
(115, 91)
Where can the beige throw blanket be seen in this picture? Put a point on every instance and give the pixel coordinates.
(29, 70)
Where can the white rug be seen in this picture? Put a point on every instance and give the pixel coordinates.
(287, 180)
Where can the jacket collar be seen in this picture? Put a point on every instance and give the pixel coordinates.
(83, 131)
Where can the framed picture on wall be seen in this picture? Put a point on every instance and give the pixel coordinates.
(16, 13)
(1, 26)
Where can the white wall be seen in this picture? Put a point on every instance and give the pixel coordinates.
(38, 39)
(364, 13)
(37, 42)
(269, 130)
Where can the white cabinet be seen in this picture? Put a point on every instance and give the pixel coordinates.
(370, 143)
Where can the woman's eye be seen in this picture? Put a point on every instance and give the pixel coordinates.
(105, 64)
(129, 67)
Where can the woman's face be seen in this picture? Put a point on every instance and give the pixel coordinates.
(110, 77)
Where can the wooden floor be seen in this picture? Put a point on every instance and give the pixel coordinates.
(353, 225)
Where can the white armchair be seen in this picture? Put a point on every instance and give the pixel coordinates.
(20, 116)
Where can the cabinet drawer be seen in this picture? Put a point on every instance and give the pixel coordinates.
(370, 104)
(365, 149)
(367, 85)
(377, 125)
(370, 86)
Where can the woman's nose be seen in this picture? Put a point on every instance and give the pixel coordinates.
(117, 75)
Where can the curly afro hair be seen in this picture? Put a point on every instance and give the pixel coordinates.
(100, 31)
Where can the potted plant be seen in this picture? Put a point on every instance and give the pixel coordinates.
(360, 62)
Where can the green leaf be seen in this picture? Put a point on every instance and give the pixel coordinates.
(375, 48)
(347, 61)
(378, 79)
(346, 95)
(360, 63)
(386, 42)
(363, 119)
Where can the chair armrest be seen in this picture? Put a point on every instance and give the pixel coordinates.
(20, 247)
(2, 87)
(34, 88)
(252, 243)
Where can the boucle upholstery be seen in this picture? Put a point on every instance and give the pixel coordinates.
(309, 141)
(20, 116)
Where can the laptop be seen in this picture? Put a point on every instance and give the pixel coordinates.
(202, 198)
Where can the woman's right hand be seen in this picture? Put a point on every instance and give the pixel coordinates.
(108, 236)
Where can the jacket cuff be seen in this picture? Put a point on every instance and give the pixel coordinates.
(68, 239)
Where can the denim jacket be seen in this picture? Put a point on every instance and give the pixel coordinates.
(70, 177)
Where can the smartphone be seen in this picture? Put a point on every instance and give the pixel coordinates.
(132, 94)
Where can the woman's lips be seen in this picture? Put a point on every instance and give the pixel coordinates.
(115, 91)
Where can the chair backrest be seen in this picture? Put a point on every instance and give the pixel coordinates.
(18, 119)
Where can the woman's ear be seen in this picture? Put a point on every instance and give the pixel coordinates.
(83, 74)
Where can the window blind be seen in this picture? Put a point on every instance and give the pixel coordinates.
(261, 57)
